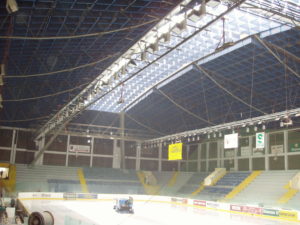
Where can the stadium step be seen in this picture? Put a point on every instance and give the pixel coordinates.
(242, 185)
(82, 181)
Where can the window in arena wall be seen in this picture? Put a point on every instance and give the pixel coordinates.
(25, 140)
(151, 165)
(276, 143)
(243, 165)
(169, 165)
(258, 163)
(54, 159)
(130, 164)
(103, 146)
(130, 148)
(59, 144)
(203, 151)
(294, 162)
(4, 155)
(6, 137)
(149, 152)
(244, 147)
(212, 164)
(203, 166)
(193, 152)
(79, 161)
(276, 163)
(294, 141)
(213, 150)
(104, 162)
(24, 157)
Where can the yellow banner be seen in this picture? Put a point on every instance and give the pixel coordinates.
(175, 151)
(288, 214)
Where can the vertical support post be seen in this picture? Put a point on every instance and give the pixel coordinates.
(285, 149)
(92, 152)
(207, 157)
(250, 153)
(138, 156)
(13, 148)
(68, 147)
(122, 141)
(116, 155)
(219, 146)
(159, 156)
(199, 158)
(187, 158)
(222, 153)
(267, 147)
(235, 159)
(41, 145)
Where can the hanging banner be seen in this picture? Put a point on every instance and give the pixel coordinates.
(175, 151)
(80, 148)
(231, 141)
(260, 140)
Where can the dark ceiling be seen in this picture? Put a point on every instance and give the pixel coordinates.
(31, 92)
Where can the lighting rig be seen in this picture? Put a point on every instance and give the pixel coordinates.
(284, 118)
(115, 74)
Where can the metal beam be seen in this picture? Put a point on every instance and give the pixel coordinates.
(232, 125)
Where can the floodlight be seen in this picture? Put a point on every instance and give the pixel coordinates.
(154, 47)
(11, 6)
(198, 12)
(166, 37)
(180, 27)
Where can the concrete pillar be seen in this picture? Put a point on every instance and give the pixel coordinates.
(92, 152)
(267, 145)
(286, 149)
(138, 156)
(40, 143)
(68, 147)
(250, 153)
(122, 141)
(116, 155)
(199, 158)
(13, 148)
(159, 156)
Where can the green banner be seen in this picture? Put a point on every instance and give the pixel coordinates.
(295, 147)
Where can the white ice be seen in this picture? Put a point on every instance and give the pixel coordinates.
(145, 213)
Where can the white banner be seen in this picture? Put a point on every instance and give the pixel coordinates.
(260, 140)
(231, 141)
(80, 148)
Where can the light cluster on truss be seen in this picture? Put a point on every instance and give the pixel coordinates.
(284, 119)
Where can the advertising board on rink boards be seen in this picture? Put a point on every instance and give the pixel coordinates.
(199, 203)
(246, 209)
(288, 214)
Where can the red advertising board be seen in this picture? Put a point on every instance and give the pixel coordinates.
(253, 210)
(199, 203)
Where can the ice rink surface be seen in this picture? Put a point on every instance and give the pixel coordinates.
(145, 213)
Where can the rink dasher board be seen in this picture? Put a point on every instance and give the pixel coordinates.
(286, 215)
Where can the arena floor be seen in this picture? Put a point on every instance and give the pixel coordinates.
(102, 213)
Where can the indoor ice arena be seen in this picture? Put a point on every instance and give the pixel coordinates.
(150, 112)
